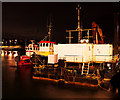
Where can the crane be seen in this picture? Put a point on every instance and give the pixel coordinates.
(97, 30)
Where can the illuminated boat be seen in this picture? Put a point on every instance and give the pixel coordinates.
(75, 63)
(24, 61)
(31, 48)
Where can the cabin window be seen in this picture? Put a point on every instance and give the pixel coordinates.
(40, 44)
(43, 44)
(30, 48)
(34, 48)
(47, 44)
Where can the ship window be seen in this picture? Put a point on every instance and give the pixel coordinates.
(40, 44)
(47, 44)
(43, 44)
(50, 44)
(30, 48)
(34, 48)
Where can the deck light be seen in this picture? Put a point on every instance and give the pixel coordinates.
(87, 41)
(81, 41)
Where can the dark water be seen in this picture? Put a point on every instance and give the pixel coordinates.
(19, 84)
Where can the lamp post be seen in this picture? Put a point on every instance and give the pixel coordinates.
(15, 41)
(10, 42)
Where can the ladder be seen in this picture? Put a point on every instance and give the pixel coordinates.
(85, 68)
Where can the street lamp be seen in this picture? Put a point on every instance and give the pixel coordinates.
(10, 42)
(15, 41)
(6, 42)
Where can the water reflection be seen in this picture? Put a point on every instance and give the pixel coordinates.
(9, 53)
(18, 83)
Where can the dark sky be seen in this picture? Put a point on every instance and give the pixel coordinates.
(29, 20)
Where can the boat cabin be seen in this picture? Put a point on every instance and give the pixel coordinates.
(46, 47)
(31, 48)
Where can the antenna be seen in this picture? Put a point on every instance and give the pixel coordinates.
(78, 28)
(49, 32)
(49, 27)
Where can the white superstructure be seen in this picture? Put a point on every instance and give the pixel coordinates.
(81, 53)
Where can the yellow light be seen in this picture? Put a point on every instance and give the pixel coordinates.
(2, 53)
(81, 41)
(28, 54)
(87, 40)
(10, 41)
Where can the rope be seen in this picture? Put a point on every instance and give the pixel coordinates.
(39, 60)
(104, 88)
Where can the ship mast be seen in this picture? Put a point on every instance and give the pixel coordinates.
(78, 28)
(49, 32)
(79, 32)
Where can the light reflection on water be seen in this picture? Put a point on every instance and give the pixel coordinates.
(19, 84)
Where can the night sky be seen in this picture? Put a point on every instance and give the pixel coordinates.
(29, 20)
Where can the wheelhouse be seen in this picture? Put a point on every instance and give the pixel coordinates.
(46, 46)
